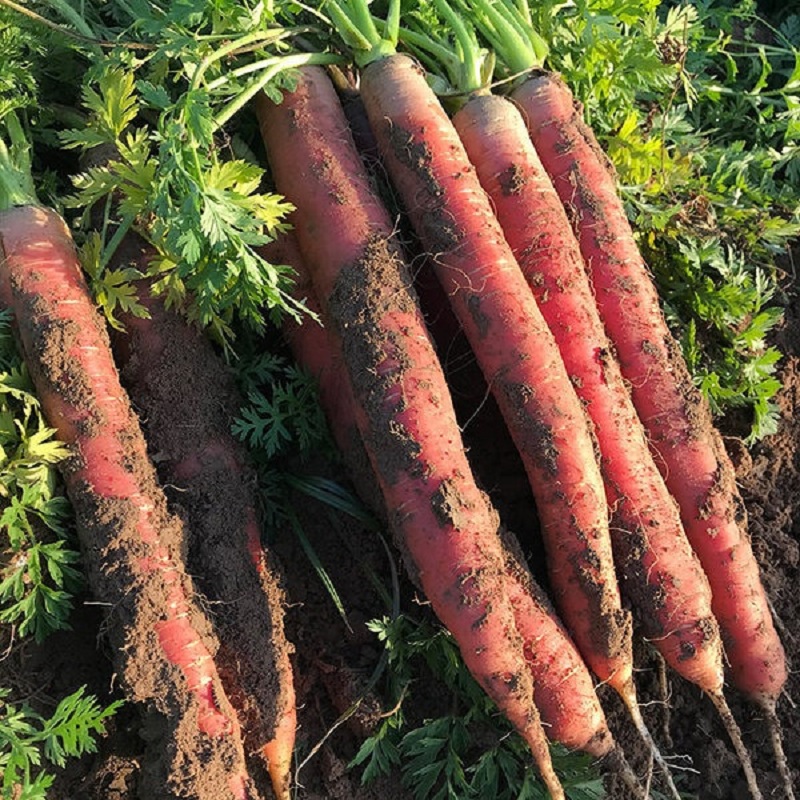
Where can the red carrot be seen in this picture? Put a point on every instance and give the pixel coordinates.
(187, 398)
(132, 545)
(563, 689)
(650, 545)
(513, 346)
(677, 419)
(439, 516)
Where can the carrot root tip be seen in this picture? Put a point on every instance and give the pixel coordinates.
(628, 695)
(776, 737)
(735, 734)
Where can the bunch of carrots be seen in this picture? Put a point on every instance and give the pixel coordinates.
(516, 209)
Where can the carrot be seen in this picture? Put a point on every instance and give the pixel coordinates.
(163, 645)
(186, 397)
(439, 517)
(649, 542)
(677, 419)
(312, 348)
(517, 353)
(563, 689)
(650, 545)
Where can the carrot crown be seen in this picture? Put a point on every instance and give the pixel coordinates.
(451, 52)
(508, 28)
(16, 179)
(359, 31)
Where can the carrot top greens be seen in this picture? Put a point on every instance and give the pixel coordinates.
(163, 84)
(18, 91)
(16, 180)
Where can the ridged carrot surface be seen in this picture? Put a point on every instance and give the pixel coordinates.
(563, 688)
(186, 396)
(517, 353)
(659, 573)
(688, 449)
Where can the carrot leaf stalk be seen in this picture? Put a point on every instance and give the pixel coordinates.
(509, 30)
(16, 178)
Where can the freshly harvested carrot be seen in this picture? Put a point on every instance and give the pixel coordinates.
(688, 449)
(404, 412)
(565, 694)
(187, 399)
(312, 348)
(517, 353)
(650, 545)
(163, 644)
(651, 549)
(563, 688)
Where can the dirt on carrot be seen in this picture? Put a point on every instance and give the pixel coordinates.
(52, 341)
(213, 503)
(357, 298)
(132, 629)
(769, 478)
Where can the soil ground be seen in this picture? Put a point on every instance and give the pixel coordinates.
(332, 660)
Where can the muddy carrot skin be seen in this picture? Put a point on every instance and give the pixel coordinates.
(563, 689)
(312, 347)
(678, 422)
(164, 647)
(404, 412)
(660, 574)
(517, 353)
(187, 399)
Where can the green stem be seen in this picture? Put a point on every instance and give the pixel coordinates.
(94, 43)
(420, 41)
(524, 11)
(232, 47)
(352, 36)
(116, 239)
(287, 62)
(256, 66)
(514, 40)
(363, 19)
(240, 72)
(357, 29)
(72, 17)
(295, 32)
(773, 96)
(391, 30)
(16, 180)
(470, 78)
